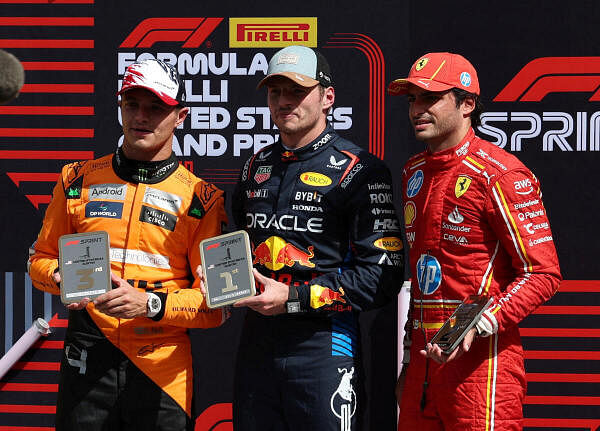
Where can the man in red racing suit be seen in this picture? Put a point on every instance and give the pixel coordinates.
(127, 361)
(476, 224)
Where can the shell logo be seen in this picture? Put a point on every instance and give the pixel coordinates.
(410, 213)
(315, 179)
(390, 243)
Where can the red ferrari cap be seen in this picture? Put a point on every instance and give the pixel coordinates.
(438, 71)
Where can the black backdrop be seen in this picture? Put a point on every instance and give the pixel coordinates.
(539, 69)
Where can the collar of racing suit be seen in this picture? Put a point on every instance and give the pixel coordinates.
(315, 147)
(449, 156)
(136, 171)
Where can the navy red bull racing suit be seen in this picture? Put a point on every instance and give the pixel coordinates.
(321, 218)
(476, 225)
(136, 371)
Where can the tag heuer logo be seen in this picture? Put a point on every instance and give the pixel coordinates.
(263, 173)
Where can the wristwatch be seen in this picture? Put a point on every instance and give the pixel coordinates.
(292, 305)
(153, 305)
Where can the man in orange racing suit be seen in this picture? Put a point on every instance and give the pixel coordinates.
(476, 225)
(127, 361)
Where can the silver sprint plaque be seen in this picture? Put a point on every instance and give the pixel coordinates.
(226, 262)
(84, 266)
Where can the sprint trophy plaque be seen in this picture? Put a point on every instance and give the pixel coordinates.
(227, 266)
(84, 266)
(464, 318)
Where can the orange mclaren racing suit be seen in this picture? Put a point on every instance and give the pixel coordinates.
(476, 224)
(155, 213)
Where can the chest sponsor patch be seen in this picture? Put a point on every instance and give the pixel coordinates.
(462, 185)
(429, 274)
(413, 186)
(115, 192)
(161, 199)
(315, 179)
(158, 218)
(389, 243)
(262, 174)
(410, 213)
(104, 209)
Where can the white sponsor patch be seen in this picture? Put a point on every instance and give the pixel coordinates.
(164, 200)
(115, 192)
(138, 257)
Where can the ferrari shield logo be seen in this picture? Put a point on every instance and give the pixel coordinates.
(462, 184)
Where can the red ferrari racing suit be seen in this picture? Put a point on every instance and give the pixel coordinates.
(155, 219)
(476, 224)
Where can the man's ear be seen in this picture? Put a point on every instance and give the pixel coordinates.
(183, 112)
(328, 98)
(467, 106)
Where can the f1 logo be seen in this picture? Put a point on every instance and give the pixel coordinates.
(546, 75)
(192, 31)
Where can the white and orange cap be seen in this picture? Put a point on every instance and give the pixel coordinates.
(438, 71)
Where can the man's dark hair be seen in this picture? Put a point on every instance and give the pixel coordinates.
(460, 95)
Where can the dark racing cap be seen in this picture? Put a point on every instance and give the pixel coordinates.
(156, 76)
(303, 65)
(438, 71)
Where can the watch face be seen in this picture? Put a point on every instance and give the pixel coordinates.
(293, 306)
(154, 304)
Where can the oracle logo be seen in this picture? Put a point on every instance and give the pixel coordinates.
(191, 31)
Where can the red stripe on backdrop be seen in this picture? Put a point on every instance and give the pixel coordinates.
(19, 428)
(46, 155)
(47, 133)
(37, 366)
(47, 43)
(46, 110)
(47, 21)
(579, 286)
(19, 408)
(576, 355)
(562, 400)
(58, 65)
(559, 332)
(28, 387)
(46, 344)
(46, 1)
(568, 309)
(57, 88)
(562, 378)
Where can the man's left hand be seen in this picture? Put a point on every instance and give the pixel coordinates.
(123, 301)
(434, 351)
(271, 301)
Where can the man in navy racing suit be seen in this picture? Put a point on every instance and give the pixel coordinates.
(327, 245)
